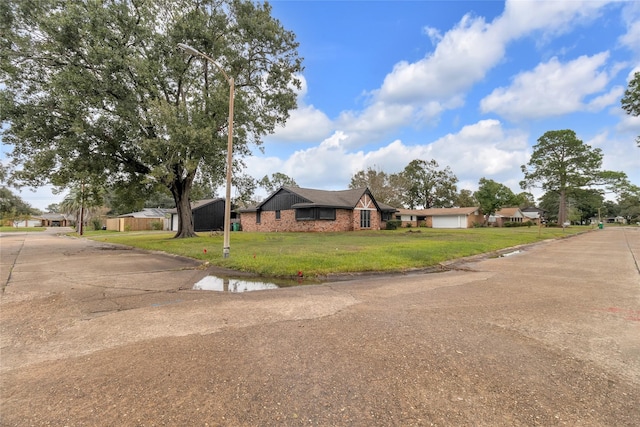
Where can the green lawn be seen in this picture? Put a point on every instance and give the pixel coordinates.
(4, 229)
(319, 254)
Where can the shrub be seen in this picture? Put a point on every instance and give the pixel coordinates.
(517, 224)
(393, 224)
(156, 225)
(97, 224)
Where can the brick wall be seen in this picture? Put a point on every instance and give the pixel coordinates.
(478, 219)
(346, 220)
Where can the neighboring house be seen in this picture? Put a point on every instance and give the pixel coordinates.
(54, 220)
(306, 209)
(147, 213)
(26, 223)
(411, 217)
(208, 215)
(146, 219)
(533, 214)
(505, 215)
(615, 220)
(441, 217)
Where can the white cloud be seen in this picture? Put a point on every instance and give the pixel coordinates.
(631, 16)
(628, 124)
(465, 53)
(551, 89)
(461, 58)
(548, 16)
(483, 149)
(433, 33)
(610, 98)
(376, 120)
(632, 73)
(619, 154)
(417, 93)
(306, 123)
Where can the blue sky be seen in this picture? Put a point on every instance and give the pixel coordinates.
(471, 84)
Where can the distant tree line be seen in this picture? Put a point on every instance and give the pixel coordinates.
(568, 170)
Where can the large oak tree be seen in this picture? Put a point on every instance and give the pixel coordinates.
(97, 92)
(428, 186)
(384, 187)
(493, 196)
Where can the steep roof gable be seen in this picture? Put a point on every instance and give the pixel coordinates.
(347, 199)
(510, 212)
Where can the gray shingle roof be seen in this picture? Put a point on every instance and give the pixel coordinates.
(346, 199)
(341, 199)
(439, 211)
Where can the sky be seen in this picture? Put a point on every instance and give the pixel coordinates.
(470, 84)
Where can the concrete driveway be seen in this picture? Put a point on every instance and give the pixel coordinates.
(93, 334)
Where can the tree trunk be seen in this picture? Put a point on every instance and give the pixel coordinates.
(181, 189)
(562, 208)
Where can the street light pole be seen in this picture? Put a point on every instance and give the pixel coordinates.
(226, 246)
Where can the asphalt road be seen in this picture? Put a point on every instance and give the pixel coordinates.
(98, 335)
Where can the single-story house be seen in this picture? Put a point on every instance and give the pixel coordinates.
(533, 214)
(441, 217)
(147, 213)
(146, 219)
(208, 215)
(306, 209)
(505, 215)
(26, 223)
(55, 220)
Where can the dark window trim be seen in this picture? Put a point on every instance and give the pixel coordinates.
(315, 214)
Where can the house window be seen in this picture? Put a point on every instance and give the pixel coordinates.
(311, 214)
(365, 219)
(278, 214)
(327, 213)
(305, 214)
(258, 217)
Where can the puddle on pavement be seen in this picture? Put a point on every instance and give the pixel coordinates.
(228, 284)
(510, 253)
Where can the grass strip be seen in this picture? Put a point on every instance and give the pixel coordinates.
(5, 229)
(321, 254)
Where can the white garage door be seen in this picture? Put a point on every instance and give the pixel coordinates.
(449, 221)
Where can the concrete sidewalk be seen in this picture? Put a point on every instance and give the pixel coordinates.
(97, 335)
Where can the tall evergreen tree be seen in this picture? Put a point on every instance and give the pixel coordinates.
(561, 163)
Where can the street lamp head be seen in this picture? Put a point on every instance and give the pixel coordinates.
(188, 49)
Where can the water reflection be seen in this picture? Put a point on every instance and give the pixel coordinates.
(224, 284)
